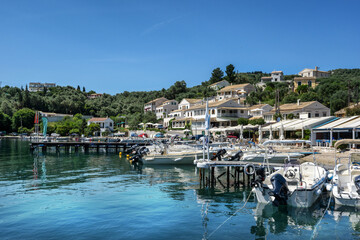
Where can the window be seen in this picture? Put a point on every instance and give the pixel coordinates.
(309, 83)
(241, 111)
(317, 115)
(222, 111)
(324, 114)
(309, 115)
(213, 111)
(299, 83)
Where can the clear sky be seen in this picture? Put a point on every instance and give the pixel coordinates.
(114, 46)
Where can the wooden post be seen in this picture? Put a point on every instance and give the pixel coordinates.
(228, 177)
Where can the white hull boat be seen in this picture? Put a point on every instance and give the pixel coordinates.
(171, 158)
(295, 185)
(302, 187)
(346, 180)
(272, 158)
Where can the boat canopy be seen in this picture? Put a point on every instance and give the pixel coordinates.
(346, 141)
(286, 142)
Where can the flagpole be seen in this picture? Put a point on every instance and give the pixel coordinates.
(207, 127)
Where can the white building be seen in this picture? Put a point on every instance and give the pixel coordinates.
(222, 113)
(238, 91)
(164, 110)
(187, 103)
(258, 111)
(106, 124)
(307, 72)
(152, 105)
(300, 110)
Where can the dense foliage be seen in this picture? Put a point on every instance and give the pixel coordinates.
(17, 105)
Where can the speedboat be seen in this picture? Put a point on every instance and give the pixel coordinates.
(298, 185)
(346, 179)
(164, 154)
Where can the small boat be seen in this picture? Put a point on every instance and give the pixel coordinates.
(171, 155)
(298, 185)
(346, 179)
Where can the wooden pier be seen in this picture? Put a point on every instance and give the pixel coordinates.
(230, 174)
(117, 146)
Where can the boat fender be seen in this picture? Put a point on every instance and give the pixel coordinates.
(330, 177)
(328, 187)
(249, 169)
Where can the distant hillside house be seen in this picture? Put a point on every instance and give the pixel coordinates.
(235, 91)
(342, 112)
(186, 103)
(94, 95)
(276, 76)
(152, 105)
(36, 87)
(314, 73)
(106, 124)
(218, 85)
(308, 77)
(164, 109)
(299, 110)
(308, 81)
(258, 111)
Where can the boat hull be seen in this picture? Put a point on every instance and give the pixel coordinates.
(345, 199)
(298, 198)
(180, 159)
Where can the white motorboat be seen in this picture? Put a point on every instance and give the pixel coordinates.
(346, 179)
(177, 154)
(293, 184)
(171, 158)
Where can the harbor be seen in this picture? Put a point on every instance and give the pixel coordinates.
(81, 191)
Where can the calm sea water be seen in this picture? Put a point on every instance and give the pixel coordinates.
(100, 196)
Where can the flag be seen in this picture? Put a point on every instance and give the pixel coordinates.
(207, 117)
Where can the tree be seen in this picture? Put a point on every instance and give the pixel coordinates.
(216, 76)
(243, 121)
(258, 121)
(84, 90)
(23, 118)
(149, 117)
(91, 129)
(5, 122)
(78, 88)
(230, 73)
(302, 89)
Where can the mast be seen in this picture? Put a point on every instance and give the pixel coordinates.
(207, 127)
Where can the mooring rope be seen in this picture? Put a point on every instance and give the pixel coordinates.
(314, 234)
(230, 216)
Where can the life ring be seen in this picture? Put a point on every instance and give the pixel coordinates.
(249, 172)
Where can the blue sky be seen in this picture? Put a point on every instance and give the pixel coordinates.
(115, 46)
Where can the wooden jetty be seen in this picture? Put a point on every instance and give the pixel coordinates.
(230, 173)
(117, 146)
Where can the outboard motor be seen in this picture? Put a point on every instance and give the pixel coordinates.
(237, 156)
(219, 154)
(135, 160)
(357, 184)
(259, 177)
(132, 148)
(280, 190)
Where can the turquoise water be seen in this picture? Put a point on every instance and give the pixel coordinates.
(100, 196)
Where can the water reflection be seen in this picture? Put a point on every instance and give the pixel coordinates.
(346, 214)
